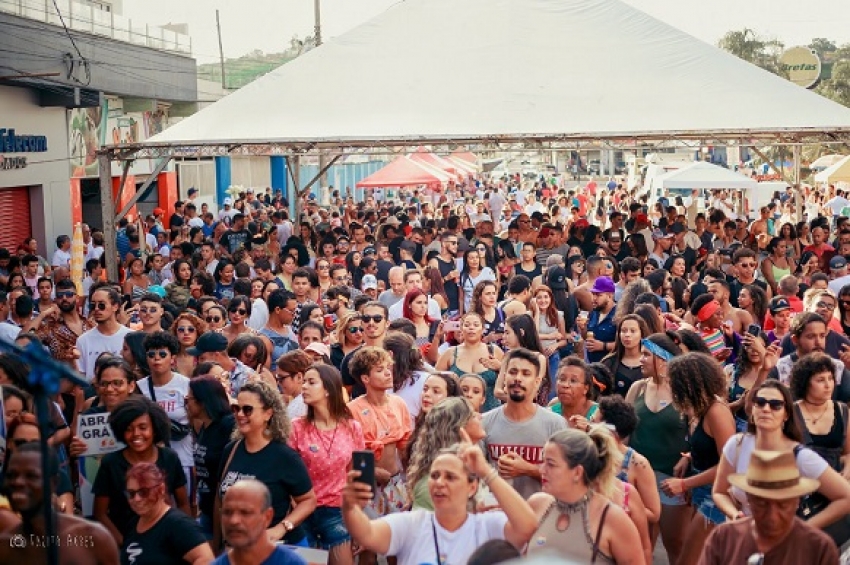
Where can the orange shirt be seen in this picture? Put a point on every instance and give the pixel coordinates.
(382, 425)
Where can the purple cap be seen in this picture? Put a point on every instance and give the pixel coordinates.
(603, 285)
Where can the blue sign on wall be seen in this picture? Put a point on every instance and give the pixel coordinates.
(13, 143)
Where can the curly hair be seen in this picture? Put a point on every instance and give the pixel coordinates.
(442, 427)
(134, 407)
(696, 379)
(626, 304)
(364, 359)
(805, 369)
(199, 325)
(620, 414)
(279, 425)
(406, 359)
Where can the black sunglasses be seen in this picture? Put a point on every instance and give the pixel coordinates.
(142, 493)
(69, 294)
(377, 318)
(161, 352)
(247, 410)
(213, 319)
(240, 311)
(355, 329)
(99, 305)
(774, 403)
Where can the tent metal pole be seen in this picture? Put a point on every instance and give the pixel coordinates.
(798, 181)
(107, 210)
(152, 177)
(127, 165)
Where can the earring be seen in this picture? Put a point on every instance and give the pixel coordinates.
(267, 432)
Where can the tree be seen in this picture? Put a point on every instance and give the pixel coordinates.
(823, 47)
(837, 87)
(749, 46)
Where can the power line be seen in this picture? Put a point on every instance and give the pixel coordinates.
(77, 49)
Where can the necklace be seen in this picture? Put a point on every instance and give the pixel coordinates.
(811, 417)
(329, 445)
(574, 507)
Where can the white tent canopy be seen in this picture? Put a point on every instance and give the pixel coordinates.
(702, 175)
(838, 172)
(427, 71)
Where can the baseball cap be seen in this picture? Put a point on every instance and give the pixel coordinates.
(659, 234)
(192, 191)
(158, 211)
(675, 228)
(320, 348)
(778, 304)
(557, 278)
(641, 219)
(369, 251)
(837, 262)
(582, 223)
(250, 191)
(209, 342)
(408, 245)
(544, 232)
(4, 253)
(228, 201)
(369, 281)
(602, 285)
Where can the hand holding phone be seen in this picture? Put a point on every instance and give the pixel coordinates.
(364, 462)
(452, 326)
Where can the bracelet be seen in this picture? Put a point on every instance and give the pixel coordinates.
(682, 484)
(490, 476)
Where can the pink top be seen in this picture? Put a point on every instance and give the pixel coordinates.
(327, 455)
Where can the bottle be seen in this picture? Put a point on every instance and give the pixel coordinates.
(589, 336)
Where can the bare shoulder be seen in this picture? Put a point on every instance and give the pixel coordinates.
(540, 501)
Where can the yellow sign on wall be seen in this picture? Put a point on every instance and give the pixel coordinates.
(802, 65)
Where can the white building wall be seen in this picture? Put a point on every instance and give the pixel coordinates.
(46, 173)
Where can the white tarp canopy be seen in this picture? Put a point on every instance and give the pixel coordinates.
(503, 70)
(839, 172)
(702, 175)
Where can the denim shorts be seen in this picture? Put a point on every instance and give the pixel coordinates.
(678, 500)
(703, 503)
(325, 528)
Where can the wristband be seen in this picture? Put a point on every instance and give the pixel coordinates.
(490, 476)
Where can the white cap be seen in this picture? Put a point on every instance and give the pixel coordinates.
(369, 281)
(228, 201)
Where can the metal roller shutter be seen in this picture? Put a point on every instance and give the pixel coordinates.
(15, 222)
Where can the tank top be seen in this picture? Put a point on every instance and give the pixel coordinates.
(489, 376)
(543, 327)
(536, 271)
(575, 543)
(623, 475)
(829, 446)
(280, 344)
(779, 273)
(660, 436)
(703, 448)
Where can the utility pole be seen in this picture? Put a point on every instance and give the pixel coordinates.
(221, 51)
(317, 30)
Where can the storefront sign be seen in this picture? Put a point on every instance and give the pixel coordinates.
(802, 65)
(10, 142)
(9, 163)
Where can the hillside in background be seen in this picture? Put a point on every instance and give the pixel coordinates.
(245, 69)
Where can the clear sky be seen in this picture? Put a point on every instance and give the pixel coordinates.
(268, 25)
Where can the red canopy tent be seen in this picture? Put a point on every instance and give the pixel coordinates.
(404, 172)
(435, 161)
(466, 156)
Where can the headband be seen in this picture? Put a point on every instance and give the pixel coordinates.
(656, 349)
(708, 310)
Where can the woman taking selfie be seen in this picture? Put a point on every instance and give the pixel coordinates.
(450, 531)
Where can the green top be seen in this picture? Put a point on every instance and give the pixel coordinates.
(660, 436)
(421, 496)
(556, 408)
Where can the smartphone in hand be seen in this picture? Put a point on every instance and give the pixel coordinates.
(364, 461)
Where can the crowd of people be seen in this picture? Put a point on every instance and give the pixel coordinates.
(502, 369)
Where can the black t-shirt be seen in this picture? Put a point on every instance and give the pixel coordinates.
(208, 452)
(233, 240)
(176, 220)
(111, 480)
(451, 286)
(279, 467)
(735, 287)
(357, 389)
(165, 543)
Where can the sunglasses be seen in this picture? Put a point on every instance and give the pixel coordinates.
(141, 493)
(247, 410)
(826, 305)
(377, 318)
(355, 329)
(99, 306)
(65, 294)
(213, 319)
(186, 330)
(774, 403)
(240, 311)
(148, 310)
(161, 352)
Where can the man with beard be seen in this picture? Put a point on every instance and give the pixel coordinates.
(445, 263)
(60, 326)
(79, 541)
(375, 318)
(518, 430)
(808, 334)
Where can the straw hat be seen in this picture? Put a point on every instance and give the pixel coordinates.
(773, 475)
